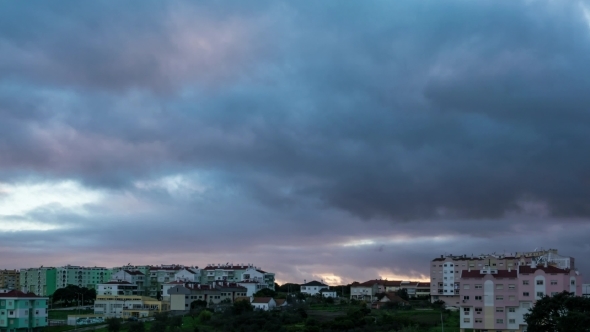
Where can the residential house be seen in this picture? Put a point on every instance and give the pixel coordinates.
(313, 287)
(181, 296)
(366, 291)
(263, 303)
(21, 311)
(188, 274)
(328, 293)
(238, 273)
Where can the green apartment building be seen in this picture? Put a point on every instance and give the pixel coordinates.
(44, 281)
(22, 312)
(81, 276)
(40, 281)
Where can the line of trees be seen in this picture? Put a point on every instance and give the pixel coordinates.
(72, 294)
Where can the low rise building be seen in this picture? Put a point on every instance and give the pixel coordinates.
(117, 288)
(313, 287)
(237, 273)
(127, 306)
(263, 303)
(21, 311)
(183, 295)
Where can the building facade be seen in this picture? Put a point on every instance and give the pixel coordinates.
(313, 287)
(237, 273)
(81, 276)
(21, 311)
(445, 270)
(10, 279)
(39, 281)
(127, 306)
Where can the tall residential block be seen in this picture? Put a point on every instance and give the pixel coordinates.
(40, 281)
(81, 276)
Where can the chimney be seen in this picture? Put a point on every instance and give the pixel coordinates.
(304, 281)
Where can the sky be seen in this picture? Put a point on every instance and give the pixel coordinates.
(334, 140)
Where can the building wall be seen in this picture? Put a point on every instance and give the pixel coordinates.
(9, 279)
(23, 313)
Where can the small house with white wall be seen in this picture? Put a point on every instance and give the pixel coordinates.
(313, 287)
(263, 303)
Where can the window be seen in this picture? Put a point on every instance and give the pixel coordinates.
(511, 286)
(553, 282)
(466, 297)
(539, 282)
(573, 282)
(554, 293)
(512, 321)
(500, 286)
(540, 294)
(499, 298)
(511, 298)
(511, 309)
(478, 286)
(525, 282)
(466, 286)
(525, 294)
(478, 297)
(478, 310)
(478, 320)
(526, 305)
(499, 321)
(466, 320)
(499, 309)
(466, 309)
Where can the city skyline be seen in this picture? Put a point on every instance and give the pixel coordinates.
(341, 141)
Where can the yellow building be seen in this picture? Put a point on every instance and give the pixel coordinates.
(126, 306)
(10, 279)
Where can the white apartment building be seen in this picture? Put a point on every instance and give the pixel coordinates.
(313, 287)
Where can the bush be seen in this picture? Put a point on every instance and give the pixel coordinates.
(205, 316)
(113, 325)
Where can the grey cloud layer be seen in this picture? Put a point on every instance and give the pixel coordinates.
(394, 111)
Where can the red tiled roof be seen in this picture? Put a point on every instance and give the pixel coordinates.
(548, 269)
(17, 293)
(501, 274)
(392, 297)
(423, 284)
(280, 301)
(242, 298)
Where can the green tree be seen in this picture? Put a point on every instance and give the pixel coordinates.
(242, 306)
(563, 312)
(113, 325)
(136, 327)
(175, 321)
(205, 316)
(265, 292)
(403, 293)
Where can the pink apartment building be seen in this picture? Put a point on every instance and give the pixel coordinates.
(494, 291)
(497, 300)
(445, 271)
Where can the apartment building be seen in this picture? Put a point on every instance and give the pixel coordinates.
(445, 270)
(237, 273)
(9, 279)
(368, 290)
(497, 299)
(81, 276)
(40, 281)
(117, 288)
(21, 311)
(182, 295)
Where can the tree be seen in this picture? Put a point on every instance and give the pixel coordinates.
(113, 325)
(242, 306)
(198, 304)
(403, 293)
(265, 292)
(563, 312)
(136, 327)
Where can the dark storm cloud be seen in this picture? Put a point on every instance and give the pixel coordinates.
(303, 119)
